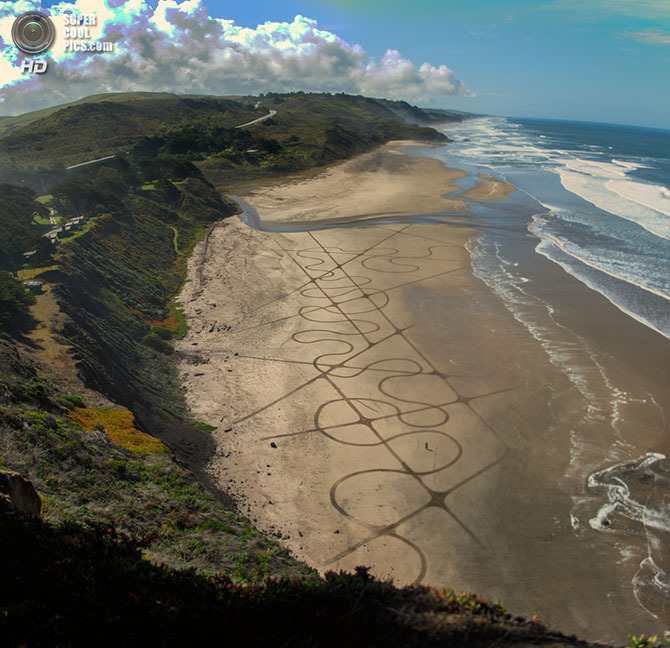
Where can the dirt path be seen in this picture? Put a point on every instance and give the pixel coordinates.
(49, 351)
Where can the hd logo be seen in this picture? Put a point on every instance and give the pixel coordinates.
(34, 66)
(33, 33)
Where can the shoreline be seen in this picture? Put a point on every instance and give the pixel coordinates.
(384, 182)
(376, 403)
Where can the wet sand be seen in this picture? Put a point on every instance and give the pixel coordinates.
(383, 183)
(376, 404)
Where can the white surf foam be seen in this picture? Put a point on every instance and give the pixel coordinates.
(545, 249)
(606, 186)
(656, 197)
(623, 268)
(650, 583)
(618, 495)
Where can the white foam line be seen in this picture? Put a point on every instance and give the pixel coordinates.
(630, 190)
(545, 236)
(561, 356)
(610, 202)
(631, 165)
(593, 286)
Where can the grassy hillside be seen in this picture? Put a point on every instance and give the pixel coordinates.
(115, 280)
(308, 130)
(421, 116)
(73, 454)
(12, 123)
(88, 130)
(312, 130)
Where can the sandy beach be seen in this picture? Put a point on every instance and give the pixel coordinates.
(385, 182)
(375, 404)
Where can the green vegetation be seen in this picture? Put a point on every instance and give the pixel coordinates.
(18, 207)
(308, 130)
(31, 273)
(642, 641)
(88, 130)
(14, 299)
(70, 401)
(9, 124)
(203, 427)
(118, 280)
(94, 467)
(86, 585)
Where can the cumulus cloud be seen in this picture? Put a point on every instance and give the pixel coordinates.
(179, 47)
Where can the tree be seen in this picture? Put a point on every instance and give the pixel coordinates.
(17, 210)
(14, 298)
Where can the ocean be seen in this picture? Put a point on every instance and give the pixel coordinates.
(594, 200)
(600, 196)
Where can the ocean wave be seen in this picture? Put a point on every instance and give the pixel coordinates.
(600, 180)
(548, 249)
(596, 189)
(633, 166)
(656, 197)
(607, 219)
(626, 268)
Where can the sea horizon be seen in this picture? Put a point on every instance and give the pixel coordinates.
(589, 122)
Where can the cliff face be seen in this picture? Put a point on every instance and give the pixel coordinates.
(105, 466)
(94, 470)
(115, 283)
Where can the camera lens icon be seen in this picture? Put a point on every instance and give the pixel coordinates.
(33, 32)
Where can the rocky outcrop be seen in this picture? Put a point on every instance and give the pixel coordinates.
(17, 494)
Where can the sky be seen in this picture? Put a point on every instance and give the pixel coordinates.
(586, 60)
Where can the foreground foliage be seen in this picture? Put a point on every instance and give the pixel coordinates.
(80, 586)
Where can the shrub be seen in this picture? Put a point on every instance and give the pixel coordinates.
(156, 342)
(14, 298)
